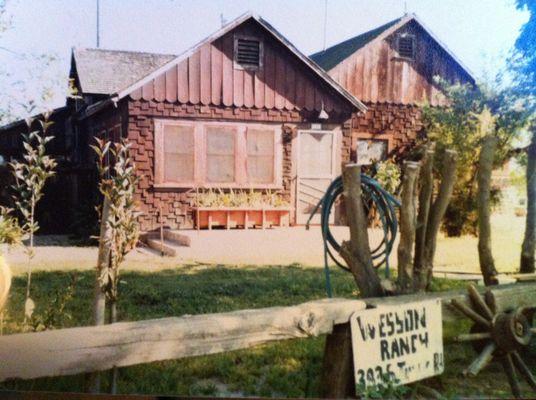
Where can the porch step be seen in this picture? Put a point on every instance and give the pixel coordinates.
(177, 238)
(165, 247)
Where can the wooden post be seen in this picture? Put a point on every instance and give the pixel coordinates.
(338, 370)
(437, 211)
(407, 226)
(103, 261)
(485, 168)
(528, 247)
(426, 181)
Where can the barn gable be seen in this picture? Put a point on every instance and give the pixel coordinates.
(208, 75)
(372, 67)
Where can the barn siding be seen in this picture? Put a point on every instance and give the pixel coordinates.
(208, 77)
(376, 74)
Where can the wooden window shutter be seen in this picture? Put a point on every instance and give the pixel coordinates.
(406, 46)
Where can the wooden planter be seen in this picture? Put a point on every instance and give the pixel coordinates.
(241, 217)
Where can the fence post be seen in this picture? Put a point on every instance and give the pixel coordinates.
(338, 371)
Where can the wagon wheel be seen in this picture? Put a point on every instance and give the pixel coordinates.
(498, 334)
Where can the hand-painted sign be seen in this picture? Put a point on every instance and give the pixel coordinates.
(400, 343)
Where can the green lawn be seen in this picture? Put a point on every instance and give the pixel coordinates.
(288, 369)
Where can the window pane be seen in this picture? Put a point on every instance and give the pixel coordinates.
(178, 153)
(316, 154)
(260, 160)
(369, 151)
(220, 154)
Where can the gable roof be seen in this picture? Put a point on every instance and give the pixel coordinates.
(108, 71)
(313, 67)
(334, 55)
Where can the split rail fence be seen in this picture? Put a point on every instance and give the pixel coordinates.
(97, 348)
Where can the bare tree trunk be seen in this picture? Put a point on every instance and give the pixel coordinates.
(337, 371)
(408, 221)
(356, 252)
(99, 302)
(114, 373)
(437, 211)
(426, 179)
(529, 240)
(485, 168)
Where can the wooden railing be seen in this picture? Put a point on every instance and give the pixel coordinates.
(95, 348)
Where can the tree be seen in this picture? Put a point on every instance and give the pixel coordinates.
(455, 127)
(523, 64)
(119, 231)
(31, 175)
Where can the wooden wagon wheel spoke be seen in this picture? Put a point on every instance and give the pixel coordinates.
(480, 306)
(523, 369)
(508, 366)
(470, 313)
(489, 298)
(469, 337)
(481, 361)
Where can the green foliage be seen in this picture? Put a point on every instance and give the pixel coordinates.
(471, 114)
(388, 389)
(117, 184)
(388, 175)
(10, 231)
(31, 175)
(290, 368)
(54, 315)
(240, 198)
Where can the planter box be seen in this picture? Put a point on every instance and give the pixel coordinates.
(238, 217)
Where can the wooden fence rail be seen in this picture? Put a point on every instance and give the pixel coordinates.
(95, 348)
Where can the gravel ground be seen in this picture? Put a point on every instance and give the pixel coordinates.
(272, 247)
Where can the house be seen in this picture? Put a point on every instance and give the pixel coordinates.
(392, 70)
(236, 111)
(244, 110)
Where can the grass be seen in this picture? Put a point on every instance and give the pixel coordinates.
(288, 369)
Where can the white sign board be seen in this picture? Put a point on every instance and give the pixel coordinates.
(399, 343)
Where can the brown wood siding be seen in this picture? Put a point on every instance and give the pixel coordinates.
(209, 77)
(376, 73)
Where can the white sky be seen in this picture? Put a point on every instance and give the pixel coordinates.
(479, 32)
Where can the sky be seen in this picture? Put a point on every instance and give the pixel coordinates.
(479, 32)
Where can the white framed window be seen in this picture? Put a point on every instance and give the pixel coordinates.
(217, 154)
(371, 150)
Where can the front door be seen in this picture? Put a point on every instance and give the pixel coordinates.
(316, 170)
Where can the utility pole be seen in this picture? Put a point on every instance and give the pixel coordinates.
(98, 24)
(325, 22)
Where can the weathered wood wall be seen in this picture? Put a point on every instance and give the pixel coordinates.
(208, 77)
(375, 73)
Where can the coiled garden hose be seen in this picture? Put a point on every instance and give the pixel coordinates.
(374, 197)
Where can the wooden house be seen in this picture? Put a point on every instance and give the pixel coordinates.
(393, 70)
(237, 111)
(244, 110)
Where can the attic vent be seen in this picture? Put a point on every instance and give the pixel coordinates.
(248, 53)
(406, 46)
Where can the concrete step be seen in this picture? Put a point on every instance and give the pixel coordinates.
(177, 238)
(165, 247)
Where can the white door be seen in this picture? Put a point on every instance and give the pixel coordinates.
(316, 170)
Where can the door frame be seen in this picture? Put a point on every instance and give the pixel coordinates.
(335, 144)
